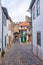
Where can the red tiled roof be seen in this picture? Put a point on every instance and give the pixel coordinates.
(24, 24)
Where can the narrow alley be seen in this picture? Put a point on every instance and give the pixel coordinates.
(21, 32)
(20, 54)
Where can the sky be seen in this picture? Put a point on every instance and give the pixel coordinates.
(17, 9)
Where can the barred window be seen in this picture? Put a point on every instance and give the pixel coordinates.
(39, 38)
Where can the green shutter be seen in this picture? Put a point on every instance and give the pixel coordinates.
(21, 39)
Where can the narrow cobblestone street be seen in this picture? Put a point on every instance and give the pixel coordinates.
(20, 54)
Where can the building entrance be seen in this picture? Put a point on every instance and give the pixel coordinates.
(16, 37)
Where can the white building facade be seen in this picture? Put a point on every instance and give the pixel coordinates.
(37, 27)
(5, 17)
(4, 31)
(0, 27)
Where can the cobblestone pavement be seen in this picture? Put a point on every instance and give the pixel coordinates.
(20, 54)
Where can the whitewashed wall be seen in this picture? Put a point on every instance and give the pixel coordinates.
(4, 21)
(37, 26)
(0, 26)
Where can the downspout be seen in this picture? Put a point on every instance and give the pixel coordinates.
(2, 31)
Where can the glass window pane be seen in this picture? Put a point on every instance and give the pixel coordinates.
(39, 38)
(38, 7)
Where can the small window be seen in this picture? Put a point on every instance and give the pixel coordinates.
(21, 26)
(34, 13)
(0, 49)
(38, 7)
(39, 38)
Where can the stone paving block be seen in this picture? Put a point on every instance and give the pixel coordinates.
(20, 54)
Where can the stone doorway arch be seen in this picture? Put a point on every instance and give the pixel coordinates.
(16, 37)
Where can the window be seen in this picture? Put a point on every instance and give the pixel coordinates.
(5, 41)
(39, 38)
(21, 26)
(34, 13)
(38, 7)
(3, 19)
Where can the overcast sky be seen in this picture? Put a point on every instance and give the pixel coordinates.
(17, 9)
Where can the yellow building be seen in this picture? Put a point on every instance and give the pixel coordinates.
(10, 29)
(28, 19)
(16, 32)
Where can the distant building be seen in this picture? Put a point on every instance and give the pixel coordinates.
(37, 27)
(28, 19)
(16, 32)
(23, 29)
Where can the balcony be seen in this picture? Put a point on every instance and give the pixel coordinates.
(22, 28)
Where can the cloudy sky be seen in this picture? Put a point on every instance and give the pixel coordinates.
(17, 9)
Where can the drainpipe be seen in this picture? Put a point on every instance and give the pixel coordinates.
(2, 32)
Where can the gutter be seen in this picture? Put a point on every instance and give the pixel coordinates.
(32, 3)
